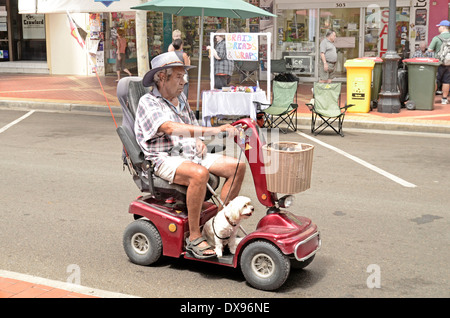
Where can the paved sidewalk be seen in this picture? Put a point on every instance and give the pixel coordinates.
(81, 93)
(16, 285)
(13, 288)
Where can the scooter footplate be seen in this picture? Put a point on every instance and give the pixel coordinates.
(224, 260)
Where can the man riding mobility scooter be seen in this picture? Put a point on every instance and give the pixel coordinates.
(280, 241)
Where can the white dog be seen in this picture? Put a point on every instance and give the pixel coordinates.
(222, 228)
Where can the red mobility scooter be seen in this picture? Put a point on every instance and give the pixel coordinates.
(281, 240)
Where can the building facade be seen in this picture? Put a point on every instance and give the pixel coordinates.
(361, 28)
(39, 30)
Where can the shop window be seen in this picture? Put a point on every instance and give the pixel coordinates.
(295, 40)
(4, 41)
(127, 22)
(237, 25)
(190, 30)
(376, 31)
(32, 45)
(155, 34)
(345, 22)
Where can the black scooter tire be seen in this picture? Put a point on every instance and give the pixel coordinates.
(264, 266)
(142, 243)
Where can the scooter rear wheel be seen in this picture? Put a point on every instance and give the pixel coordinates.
(142, 242)
(264, 266)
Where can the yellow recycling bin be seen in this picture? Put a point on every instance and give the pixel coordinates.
(359, 83)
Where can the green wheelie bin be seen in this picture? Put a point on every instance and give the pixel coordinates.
(421, 82)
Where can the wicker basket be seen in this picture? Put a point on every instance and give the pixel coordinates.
(288, 166)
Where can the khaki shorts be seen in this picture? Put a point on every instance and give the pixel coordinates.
(169, 166)
(323, 76)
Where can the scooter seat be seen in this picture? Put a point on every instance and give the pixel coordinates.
(142, 171)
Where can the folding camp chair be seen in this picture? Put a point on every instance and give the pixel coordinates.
(326, 106)
(284, 106)
(248, 71)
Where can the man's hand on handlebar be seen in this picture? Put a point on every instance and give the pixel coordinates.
(227, 130)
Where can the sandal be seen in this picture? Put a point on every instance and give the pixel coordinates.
(198, 252)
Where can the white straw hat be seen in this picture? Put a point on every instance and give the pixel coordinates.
(161, 62)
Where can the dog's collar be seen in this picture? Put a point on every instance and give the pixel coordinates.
(214, 229)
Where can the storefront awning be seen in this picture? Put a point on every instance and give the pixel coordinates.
(62, 6)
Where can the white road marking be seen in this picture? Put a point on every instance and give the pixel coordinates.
(4, 128)
(361, 162)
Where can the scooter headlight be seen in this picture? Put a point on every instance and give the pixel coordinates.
(286, 201)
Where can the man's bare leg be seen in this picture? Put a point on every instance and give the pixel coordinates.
(225, 167)
(195, 178)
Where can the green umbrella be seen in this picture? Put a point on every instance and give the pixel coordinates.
(215, 8)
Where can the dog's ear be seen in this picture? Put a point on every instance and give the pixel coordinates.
(234, 208)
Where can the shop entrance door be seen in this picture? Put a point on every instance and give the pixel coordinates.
(25, 34)
(346, 23)
(30, 42)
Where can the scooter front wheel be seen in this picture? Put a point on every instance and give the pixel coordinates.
(264, 266)
(142, 242)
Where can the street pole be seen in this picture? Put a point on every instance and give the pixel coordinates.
(143, 65)
(141, 43)
(389, 101)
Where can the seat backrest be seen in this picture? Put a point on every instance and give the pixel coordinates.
(326, 99)
(128, 105)
(284, 93)
(129, 91)
(135, 91)
(278, 66)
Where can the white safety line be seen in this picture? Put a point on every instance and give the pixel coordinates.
(361, 162)
(4, 128)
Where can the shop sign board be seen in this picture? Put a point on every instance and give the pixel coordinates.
(299, 64)
(33, 26)
(242, 46)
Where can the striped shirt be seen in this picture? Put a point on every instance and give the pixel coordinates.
(152, 112)
(223, 66)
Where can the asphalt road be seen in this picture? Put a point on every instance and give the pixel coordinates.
(64, 206)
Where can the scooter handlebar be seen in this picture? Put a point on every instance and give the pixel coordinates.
(225, 134)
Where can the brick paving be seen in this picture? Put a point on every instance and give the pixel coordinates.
(13, 288)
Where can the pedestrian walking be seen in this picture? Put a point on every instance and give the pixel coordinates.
(328, 57)
(443, 72)
(121, 49)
